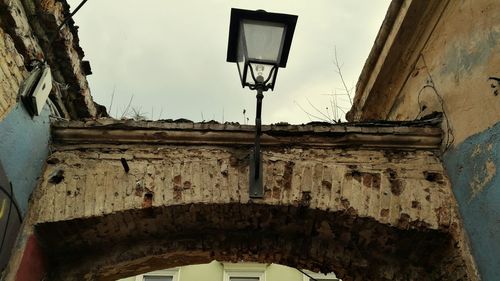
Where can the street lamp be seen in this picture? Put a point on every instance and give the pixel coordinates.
(259, 43)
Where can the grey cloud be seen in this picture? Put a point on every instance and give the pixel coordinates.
(171, 55)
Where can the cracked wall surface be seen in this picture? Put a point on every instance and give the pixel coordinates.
(93, 183)
(28, 32)
(449, 64)
(366, 210)
(12, 73)
(27, 28)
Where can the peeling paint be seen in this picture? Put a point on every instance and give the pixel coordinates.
(473, 168)
(461, 58)
(23, 150)
(483, 180)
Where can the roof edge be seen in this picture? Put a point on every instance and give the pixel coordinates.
(379, 43)
(404, 33)
(364, 135)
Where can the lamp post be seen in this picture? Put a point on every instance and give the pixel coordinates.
(259, 44)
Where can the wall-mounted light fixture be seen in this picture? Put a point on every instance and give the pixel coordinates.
(36, 88)
(259, 43)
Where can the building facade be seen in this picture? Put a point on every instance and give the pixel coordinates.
(217, 271)
(444, 56)
(27, 38)
(410, 196)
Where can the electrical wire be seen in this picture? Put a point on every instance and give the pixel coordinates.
(11, 198)
(10, 195)
(6, 227)
(438, 20)
(450, 137)
(12, 202)
(66, 20)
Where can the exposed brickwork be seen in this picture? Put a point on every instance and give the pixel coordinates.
(12, 73)
(27, 27)
(362, 181)
(367, 212)
(355, 248)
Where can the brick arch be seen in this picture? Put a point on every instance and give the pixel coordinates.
(353, 247)
(369, 203)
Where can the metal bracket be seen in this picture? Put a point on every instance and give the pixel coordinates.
(256, 183)
(256, 187)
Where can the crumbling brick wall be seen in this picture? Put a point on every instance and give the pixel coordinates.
(370, 202)
(29, 32)
(367, 214)
(12, 73)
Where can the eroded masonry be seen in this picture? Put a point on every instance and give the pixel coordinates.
(368, 201)
(411, 196)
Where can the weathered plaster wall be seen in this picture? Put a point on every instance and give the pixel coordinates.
(24, 146)
(25, 26)
(474, 169)
(463, 51)
(450, 73)
(23, 140)
(343, 210)
(389, 187)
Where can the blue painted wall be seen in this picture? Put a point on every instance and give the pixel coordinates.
(24, 147)
(474, 170)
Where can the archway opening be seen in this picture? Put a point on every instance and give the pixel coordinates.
(241, 271)
(127, 243)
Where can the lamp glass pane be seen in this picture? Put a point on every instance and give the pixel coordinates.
(264, 40)
(259, 69)
(240, 61)
(241, 58)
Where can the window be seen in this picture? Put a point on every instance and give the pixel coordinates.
(244, 272)
(320, 276)
(160, 275)
(157, 278)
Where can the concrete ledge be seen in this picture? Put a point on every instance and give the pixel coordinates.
(409, 135)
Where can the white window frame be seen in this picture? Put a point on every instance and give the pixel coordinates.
(174, 273)
(329, 276)
(244, 270)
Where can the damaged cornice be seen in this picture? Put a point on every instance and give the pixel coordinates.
(367, 135)
(406, 28)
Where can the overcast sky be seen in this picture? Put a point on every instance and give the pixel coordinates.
(171, 56)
